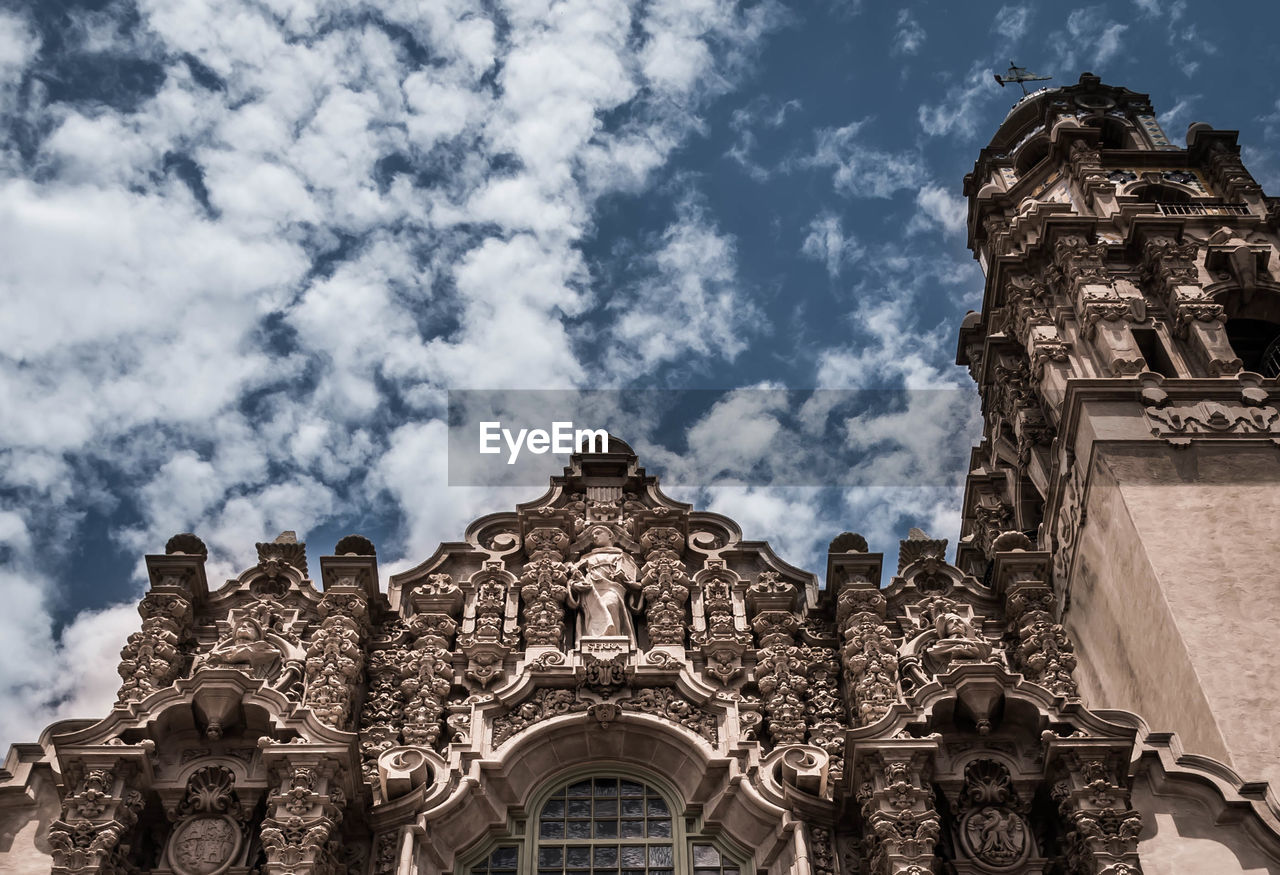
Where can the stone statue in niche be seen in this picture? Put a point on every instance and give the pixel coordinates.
(947, 633)
(246, 645)
(258, 642)
(604, 586)
(956, 639)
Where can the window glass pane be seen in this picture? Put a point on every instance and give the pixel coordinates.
(633, 856)
(503, 861)
(660, 855)
(580, 824)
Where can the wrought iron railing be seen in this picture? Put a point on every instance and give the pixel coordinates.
(1204, 208)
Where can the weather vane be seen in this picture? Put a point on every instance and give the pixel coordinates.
(1021, 75)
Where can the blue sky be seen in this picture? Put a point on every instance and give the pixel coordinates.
(247, 247)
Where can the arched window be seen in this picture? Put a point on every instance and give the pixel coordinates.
(1160, 194)
(607, 823)
(1115, 133)
(1031, 154)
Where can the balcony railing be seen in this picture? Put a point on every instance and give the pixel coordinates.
(1203, 208)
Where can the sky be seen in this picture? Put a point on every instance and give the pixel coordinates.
(247, 249)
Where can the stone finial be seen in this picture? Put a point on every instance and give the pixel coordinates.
(186, 544)
(354, 545)
(848, 542)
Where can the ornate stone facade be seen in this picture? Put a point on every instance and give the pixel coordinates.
(607, 675)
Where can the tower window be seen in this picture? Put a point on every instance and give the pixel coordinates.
(1030, 155)
(1154, 351)
(1114, 133)
(1161, 194)
(1257, 342)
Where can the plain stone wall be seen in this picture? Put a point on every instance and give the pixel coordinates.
(23, 827)
(1180, 837)
(1175, 596)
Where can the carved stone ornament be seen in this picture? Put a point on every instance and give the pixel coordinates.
(995, 836)
(150, 659)
(1175, 423)
(991, 828)
(208, 835)
(657, 701)
(204, 845)
(604, 676)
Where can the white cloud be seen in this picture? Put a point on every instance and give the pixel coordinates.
(957, 112)
(18, 45)
(1176, 118)
(690, 301)
(909, 36)
(862, 170)
(1012, 22)
(1091, 37)
(827, 243)
(746, 121)
(938, 207)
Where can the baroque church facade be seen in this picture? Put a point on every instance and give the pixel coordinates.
(605, 680)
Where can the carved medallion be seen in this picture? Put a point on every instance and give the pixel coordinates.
(994, 835)
(204, 845)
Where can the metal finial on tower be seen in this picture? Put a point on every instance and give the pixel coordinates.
(1020, 75)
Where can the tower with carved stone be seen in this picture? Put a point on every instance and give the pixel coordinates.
(1127, 353)
(605, 680)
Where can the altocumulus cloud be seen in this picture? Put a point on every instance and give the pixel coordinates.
(239, 279)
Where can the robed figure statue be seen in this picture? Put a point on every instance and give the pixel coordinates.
(605, 587)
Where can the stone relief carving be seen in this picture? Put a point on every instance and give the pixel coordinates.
(209, 822)
(991, 827)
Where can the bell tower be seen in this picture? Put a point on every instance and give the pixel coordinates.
(1127, 353)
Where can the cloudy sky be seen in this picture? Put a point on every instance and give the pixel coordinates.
(247, 248)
